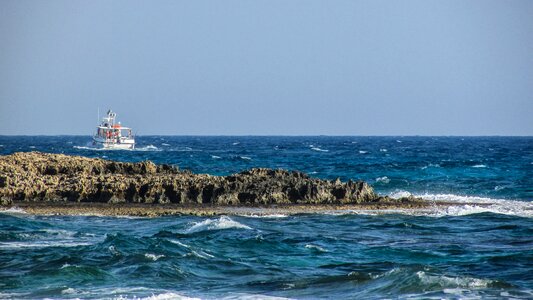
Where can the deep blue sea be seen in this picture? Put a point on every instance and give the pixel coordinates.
(467, 251)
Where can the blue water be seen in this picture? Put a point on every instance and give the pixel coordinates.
(466, 251)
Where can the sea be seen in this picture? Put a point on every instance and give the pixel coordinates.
(480, 248)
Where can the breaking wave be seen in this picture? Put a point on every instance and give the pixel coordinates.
(223, 222)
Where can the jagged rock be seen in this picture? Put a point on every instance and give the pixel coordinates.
(35, 176)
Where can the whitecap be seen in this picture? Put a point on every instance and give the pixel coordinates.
(467, 205)
(32, 147)
(153, 257)
(363, 152)
(215, 157)
(223, 222)
(41, 244)
(269, 216)
(319, 149)
(13, 210)
(315, 247)
(448, 281)
(398, 141)
(383, 179)
(69, 291)
(314, 172)
(165, 144)
(383, 150)
(147, 148)
(498, 188)
(479, 166)
(244, 296)
(400, 194)
(235, 143)
(245, 157)
(201, 254)
(179, 243)
(169, 296)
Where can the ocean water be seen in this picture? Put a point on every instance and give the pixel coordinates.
(467, 251)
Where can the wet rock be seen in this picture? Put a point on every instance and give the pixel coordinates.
(35, 176)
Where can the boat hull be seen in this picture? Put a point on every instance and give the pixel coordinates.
(111, 145)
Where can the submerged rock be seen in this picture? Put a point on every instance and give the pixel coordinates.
(35, 176)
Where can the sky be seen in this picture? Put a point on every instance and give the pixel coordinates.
(268, 67)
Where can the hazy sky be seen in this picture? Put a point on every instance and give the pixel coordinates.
(268, 67)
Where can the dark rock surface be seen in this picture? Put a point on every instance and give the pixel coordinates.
(35, 176)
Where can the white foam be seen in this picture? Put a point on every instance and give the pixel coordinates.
(223, 222)
(400, 194)
(162, 296)
(479, 166)
(270, 216)
(315, 247)
(246, 158)
(180, 243)
(448, 281)
(383, 179)
(69, 291)
(235, 143)
(169, 296)
(147, 148)
(215, 157)
(476, 205)
(383, 150)
(153, 257)
(363, 152)
(13, 210)
(431, 166)
(201, 254)
(243, 296)
(319, 149)
(41, 244)
(32, 147)
(165, 144)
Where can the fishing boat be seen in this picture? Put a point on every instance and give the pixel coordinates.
(112, 135)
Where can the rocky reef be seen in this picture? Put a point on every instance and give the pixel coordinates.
(45, 177)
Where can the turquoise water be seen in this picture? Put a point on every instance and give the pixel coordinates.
(464, 252)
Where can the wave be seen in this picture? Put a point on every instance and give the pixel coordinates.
(315, 248)
(270, 216)
(444, 281)
(245, 157)
(468, 205)
(319, 149)
(13, 210)
(223, 222)
(479, 166)
(383, 150)
(383, 179)
(363, 152)
(153, 257)
(41, 244)
(431, 166)
(215, 157)
(477, 205)
(168, 296)
(147, 148)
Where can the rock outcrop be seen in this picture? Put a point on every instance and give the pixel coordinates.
(35, 176)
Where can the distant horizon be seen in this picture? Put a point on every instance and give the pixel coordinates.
(260, 135)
